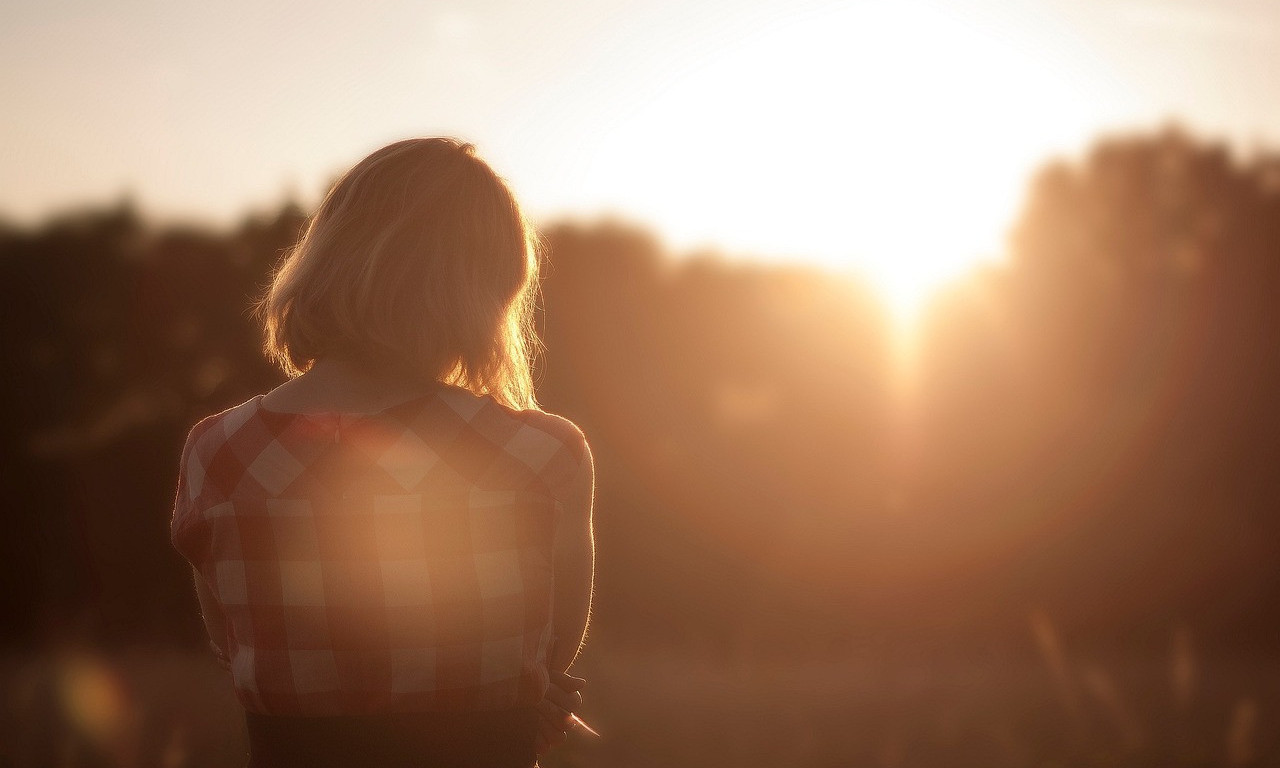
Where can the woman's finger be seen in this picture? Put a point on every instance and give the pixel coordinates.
(566, 681)
(569, 701)
(551, 713)
(552, 727)
(551, 734)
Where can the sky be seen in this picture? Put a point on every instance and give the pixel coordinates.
(864, 132)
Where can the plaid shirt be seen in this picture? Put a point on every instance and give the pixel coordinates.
(391, 562)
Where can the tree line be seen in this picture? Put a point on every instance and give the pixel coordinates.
(1089, 430)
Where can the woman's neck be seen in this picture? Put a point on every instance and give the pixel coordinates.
(340, 384)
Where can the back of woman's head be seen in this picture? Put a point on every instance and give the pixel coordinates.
(418, 261)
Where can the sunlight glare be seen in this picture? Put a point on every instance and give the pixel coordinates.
(889, 140)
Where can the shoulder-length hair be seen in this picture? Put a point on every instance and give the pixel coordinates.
(420, 261)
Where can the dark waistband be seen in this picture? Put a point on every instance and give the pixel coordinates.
(496, 739)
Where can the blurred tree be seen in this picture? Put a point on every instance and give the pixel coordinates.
(1093, 431)
(1133, 338)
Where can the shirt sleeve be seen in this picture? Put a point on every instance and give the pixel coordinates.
(190, 483)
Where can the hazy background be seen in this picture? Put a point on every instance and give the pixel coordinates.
(800, 129)
(927, 351)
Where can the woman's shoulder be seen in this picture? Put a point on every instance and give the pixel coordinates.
(546, 442)
(487, 414)
(217, 427)
(551, 445)
(553, 425)
(206, 440)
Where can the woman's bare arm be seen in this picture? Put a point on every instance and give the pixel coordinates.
(574, 567)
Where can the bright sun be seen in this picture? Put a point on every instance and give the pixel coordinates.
(892, 140)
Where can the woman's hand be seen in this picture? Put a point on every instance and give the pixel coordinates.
(562, 700)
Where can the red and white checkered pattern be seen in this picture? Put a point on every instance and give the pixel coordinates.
(390, 562)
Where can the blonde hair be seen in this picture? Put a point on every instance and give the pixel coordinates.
(419, 260)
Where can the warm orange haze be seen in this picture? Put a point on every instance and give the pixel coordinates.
(810, 130)
(925, 351)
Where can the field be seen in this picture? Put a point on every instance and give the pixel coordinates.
(170, 708)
